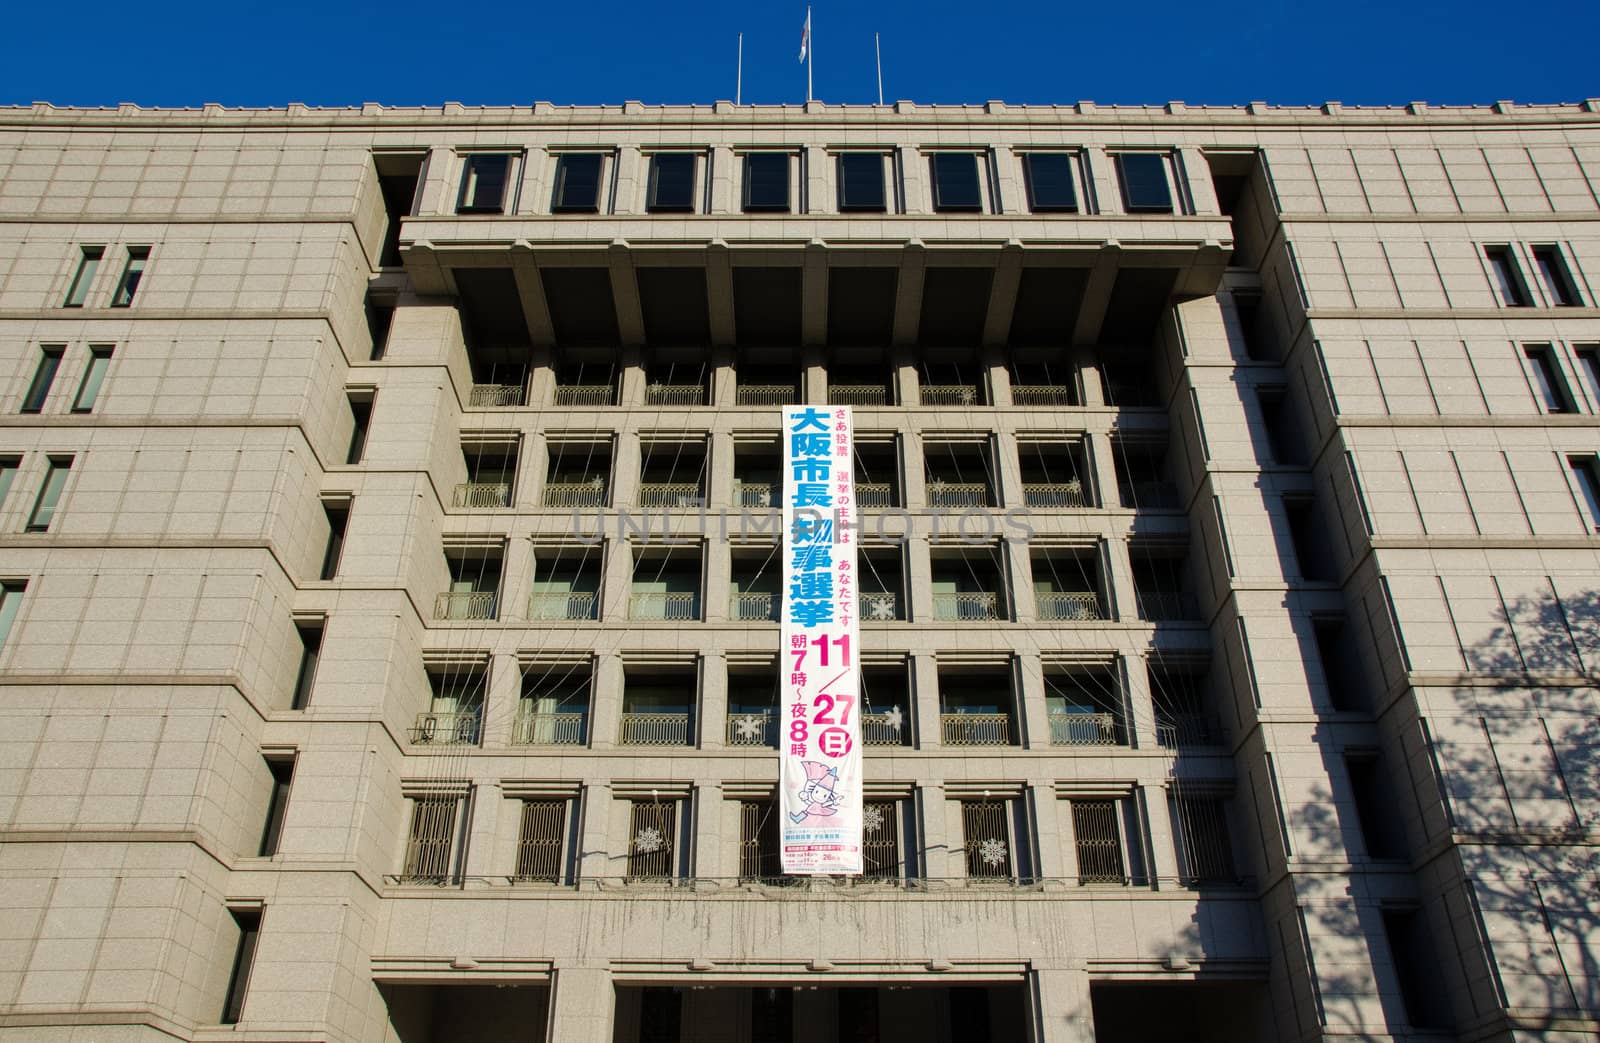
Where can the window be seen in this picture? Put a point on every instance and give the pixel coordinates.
(880, 840)
(988, 839)
(310, 653)
(758, 841)
(1549, 390)
(861, 182)
(1589, 364)
(1311, 549)
(431, 840)
(10, 600)
(93, 377)
(652, 840)
(577, 183)
(88, 264)
(132, 272)
(361, 416)
(43, 377)
(1586, 476)
(1283, 435)
(1341, 668)
(1048, 176)
(282, 770)
(8, 474)
(1205, 849)
(766, 181)
(1507, 277)
(483, 184)
(1553, 274)
(380, 316)
(1097, 837)
(55, 480)
(338, 515)
(540, 842)
(1375, 807)
(249, 923)
(955, 182)
(1145, 189)
(671, 183)
(1422, 986)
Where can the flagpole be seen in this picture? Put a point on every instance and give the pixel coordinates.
(878, 48)
(738, 83)
(811, 47)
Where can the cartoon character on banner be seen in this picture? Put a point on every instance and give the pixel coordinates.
(821, 802)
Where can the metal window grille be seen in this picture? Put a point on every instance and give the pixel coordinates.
(988, 840)
(1205, 847)
(880, 840)
(433, 825)
(539, 841)
(758, 841)
(1098, 841)
(653, 835)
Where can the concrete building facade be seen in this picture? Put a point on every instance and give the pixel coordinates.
(387, 585)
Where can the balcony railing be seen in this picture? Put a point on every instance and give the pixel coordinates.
(1054, 495)
(1162, 606)
(949, 395)
(482, 494)
(755, 494)
(674, 395)
(584, 395)
(1083, 729)
(670, 494)
(654, 729)
(874, 495)
(975, 606)
(1189, 729)
(883, 729)
(957, 494)
(1061, 605)
(548, 729)
(476, 604)
(494, 396)
(976, 729)
(567, 604)
(879, 607)
(591, 493)
(753, 729)
(664, 606)
(1041, 395)
(448, 729)
(1148, 495)
(858, 394)
(751, 607)
(767, 394)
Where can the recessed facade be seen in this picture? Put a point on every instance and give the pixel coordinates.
(389, 578)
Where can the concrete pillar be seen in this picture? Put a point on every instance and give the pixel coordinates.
(919, 579)
(1102, 464)
(706, 820)
(813, 376)
(924, 681)
(581, 1004)
(935, 839)
(994, 366)
(1060, 999)
(913, 180)
(714, 694)
(594, 841)
(500, 700)
(1008, 182)
(1103, 180)
(439, 171)
(724, 387)
(487, 801)
(820, 192)
(721, 172)
(1031, 708)
(1048, 813)
(1116, 568)
(616, 579)
(1162, 857)
(606, 713)
(1019, 570)
(631, 175)
(1140, 704)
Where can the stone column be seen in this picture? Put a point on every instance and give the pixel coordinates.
(925, 700)
(605, 715)
(1061, 997)
(713, 697)
(581, 1002)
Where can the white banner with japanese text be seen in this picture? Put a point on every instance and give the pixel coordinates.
(819, 738)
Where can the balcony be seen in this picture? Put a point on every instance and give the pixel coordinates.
(660, 394)
(572, 604)
(1167, 606)
(670, 494)
(942, 493)
(951, 395)
(1054, 495)
(975, 729)
(1068, 606)
(1069, 728)
(1045, 395)
(977, 605)
(548, 729)
(753, 607)
(756, 494)
(767, 394)
(585, 395)
(883, 729)
(858, 394)
(659, 606)
(1174, 730)
(879, 607)
(457, 728)
(874, 496)
(752, 729)
(482, 494)
(465, 605)
(494, 396)
(653, 729)
(589, 493)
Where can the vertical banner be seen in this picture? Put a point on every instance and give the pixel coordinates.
(819, 738)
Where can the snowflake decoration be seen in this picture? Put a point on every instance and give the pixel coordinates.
(968, 396)
(882, 608)
(894, 718)
(597, 483)
(648, 841)
(764, 498)
(748, 727)
(872, 819)
(936, 486)
(993, 852)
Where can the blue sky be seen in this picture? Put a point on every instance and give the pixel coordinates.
(1283, 51)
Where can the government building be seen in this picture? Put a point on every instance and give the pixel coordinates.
(390, 576)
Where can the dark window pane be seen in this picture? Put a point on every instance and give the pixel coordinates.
(1144, 182)
(128, 285)
(1507, 277)
(277, 804)
(955, 181)
(483, 186)
(249, 923)
(861, 181)
(1049, 178)
(672, 181)
(1557, 280)
(578, 183)
(766, 181)
(43, 377)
